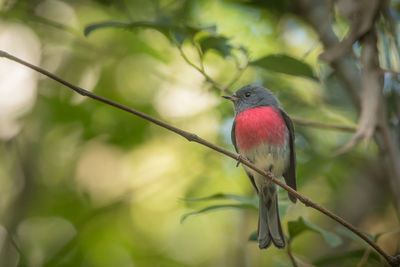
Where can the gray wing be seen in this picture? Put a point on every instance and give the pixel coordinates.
(233, 137)
(290, 172)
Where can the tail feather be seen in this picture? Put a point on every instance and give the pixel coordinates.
(264, 237)
(269, 225)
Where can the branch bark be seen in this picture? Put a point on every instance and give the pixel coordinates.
(326, 126)
(191, 137)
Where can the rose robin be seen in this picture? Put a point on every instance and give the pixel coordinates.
(263, 133)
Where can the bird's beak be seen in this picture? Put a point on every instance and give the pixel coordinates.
(231, 97)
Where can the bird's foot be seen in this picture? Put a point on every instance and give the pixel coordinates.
(239, 160)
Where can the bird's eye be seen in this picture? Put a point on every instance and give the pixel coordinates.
(247, 94)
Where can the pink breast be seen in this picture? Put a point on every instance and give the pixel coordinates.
(259, 125)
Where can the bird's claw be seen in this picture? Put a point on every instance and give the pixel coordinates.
(239, 160)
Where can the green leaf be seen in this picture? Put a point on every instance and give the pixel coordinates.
(222, 196)
(253, 236)
(125, 25)
(218, 43)
(301, 225)
(394, 231)
(174, 32)
(244, 203)
(346, 232)
(285, 64)
(216, 207)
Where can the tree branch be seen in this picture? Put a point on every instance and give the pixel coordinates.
(202, 71)
(317, 14)
(392, 260)
(372, 97)
(362, 16)
(364, 258)
(327, 126)
(290, 253)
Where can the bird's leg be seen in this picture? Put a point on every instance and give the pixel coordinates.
(239, 160)
(271, 167)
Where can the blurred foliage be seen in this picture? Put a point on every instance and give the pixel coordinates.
(85, 184)
(297, 227)
(284, 64)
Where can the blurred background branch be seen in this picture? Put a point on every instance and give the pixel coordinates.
(373, 116)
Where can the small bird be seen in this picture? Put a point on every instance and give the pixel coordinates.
(263, 134)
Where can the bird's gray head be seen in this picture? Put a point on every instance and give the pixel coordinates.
(251, 96)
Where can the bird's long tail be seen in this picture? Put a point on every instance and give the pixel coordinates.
(269, 224)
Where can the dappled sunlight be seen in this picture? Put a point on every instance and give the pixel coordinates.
(42, 237)
(10, 185)
(102, 173)
(201, 239)
(183, 101)
(17, 83)
(57, 11)
(151, 169)
(294, 35)
(181, 95)
(134, 82)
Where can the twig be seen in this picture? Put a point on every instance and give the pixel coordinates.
(235, 78)
(200, 53)
(202, 71)
(290, 254)
(302, 263)
(364, 257)
(392, 260)
(321, 125)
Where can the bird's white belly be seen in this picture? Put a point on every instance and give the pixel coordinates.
(270, 158)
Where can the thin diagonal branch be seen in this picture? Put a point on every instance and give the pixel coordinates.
(290, 253)
(200, 53)
(235, 78)
(326, 126)
(392, 260)
(364, 257)
(202, 71)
